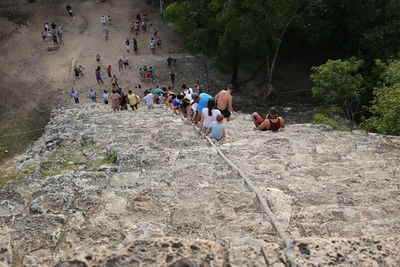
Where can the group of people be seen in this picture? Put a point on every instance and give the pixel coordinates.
(146, 74)
(208, 112)
(53, 32)
(139, 23)
(195, 106)
(120, 99)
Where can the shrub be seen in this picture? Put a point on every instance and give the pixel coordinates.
(385, 111)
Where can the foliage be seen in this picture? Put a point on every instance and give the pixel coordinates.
(391, 73)
(338, 83)
(331, 116)
(369, 29)
(385, 107)
(110, 159)
(239, 33)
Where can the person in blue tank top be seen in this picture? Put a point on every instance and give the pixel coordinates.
(203, 100)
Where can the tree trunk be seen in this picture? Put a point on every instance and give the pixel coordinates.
(235, 65)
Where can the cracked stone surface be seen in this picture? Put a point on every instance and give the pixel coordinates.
(121, 181)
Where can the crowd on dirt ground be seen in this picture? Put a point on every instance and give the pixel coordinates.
(196, 107)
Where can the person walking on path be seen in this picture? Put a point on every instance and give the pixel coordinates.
(169, 61)
(54, 37)
(224, 100)
(98, 77)
(133, 100)
(136, 27)
(158, 40)
(143, 25)
(148, 76)
(105, 97)
(98, 59)
(114, 80)
(109, 71)
(135, 46)
(75, 96)
(120, 65)
(106, 32)
(152, 44)
(59, 35)
(46, 27)
(81, 68)
(103, 20)
(92, 95)
(77, 73)
(127, 44)
(126, 62)
(114, 97)
(69, 9)
(172, 78)
(141, 74)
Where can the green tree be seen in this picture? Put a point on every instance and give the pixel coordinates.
(241, 34)
(385, 111)
(339, 83)
(385, 108)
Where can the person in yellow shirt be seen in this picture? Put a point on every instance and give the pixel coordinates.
(133, 100)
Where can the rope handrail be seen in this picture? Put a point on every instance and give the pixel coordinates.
(287, 242)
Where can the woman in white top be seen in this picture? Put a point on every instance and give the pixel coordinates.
(209, 114)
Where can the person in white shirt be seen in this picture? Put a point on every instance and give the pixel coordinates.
(209, 114)
(103, 20)
(194, 105)
(149, 99)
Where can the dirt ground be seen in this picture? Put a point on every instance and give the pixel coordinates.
(35, 77)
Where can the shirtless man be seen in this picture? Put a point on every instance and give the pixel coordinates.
(224, 100)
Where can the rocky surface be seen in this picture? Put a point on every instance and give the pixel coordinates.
(140, 179)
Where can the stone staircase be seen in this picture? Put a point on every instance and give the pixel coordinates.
(103, 178)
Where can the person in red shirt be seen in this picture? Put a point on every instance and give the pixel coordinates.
(109, 71)
(271, 122)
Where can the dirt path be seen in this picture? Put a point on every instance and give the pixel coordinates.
(92, 42)
(34, 79)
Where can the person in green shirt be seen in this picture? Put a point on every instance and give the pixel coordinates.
(157, 94)
(133, 100)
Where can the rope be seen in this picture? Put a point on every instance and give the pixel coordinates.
(288, 243)
(4, 136)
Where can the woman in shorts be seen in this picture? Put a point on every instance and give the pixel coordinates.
(271, 122)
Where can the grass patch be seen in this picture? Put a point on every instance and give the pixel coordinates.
(110, 159)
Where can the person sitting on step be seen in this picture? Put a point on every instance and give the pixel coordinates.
(271, 122)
